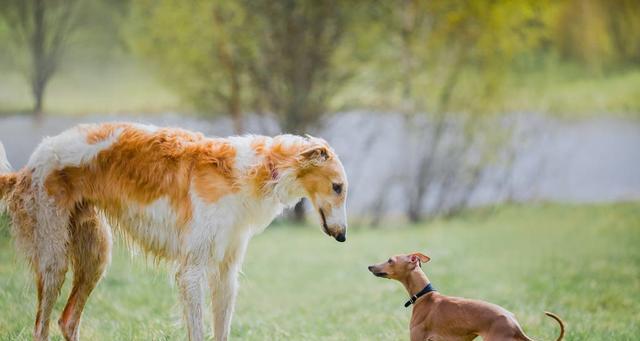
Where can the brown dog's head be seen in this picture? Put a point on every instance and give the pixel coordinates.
(400, 266)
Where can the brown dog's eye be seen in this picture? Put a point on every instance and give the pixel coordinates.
(337, 188)
(390, 261)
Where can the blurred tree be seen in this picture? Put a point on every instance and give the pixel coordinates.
(42, 29)
(200, 47)
(624, 25)
(293, 68)
(248, 55)
(458, 52)
(598, 32)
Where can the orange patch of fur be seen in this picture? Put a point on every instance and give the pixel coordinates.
(261, 174)
(96, 134)
(141, 167)
(280, 156)
(317, 180)
(68, 309)
(7, 182)
(277, 157)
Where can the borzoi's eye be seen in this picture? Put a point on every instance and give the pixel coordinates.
(337, 188)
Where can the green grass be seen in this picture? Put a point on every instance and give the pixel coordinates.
(582, 262)
(571, 93)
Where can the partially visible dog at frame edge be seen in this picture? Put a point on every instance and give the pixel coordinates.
(180, 196)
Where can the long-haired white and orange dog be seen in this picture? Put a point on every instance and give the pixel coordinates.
(180, 196)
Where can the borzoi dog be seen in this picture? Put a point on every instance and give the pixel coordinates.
(180, 196)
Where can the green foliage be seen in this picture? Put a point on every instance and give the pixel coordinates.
(463, 56)
(36, 35)
(577, 261)
(300, 59)
(189, 47)
(246, 55)
(567, 91)
(598, 33)
(294, 69)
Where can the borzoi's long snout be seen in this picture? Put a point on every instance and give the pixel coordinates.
(334, 222)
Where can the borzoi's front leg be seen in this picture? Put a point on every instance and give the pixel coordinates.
(189, 278)
(224, 286)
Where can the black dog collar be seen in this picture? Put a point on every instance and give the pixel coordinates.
(429, 288)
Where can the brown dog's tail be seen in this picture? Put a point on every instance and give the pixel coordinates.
(559, 320)
(7, 178)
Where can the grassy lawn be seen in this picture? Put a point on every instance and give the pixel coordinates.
(569, 92)
(581, 262)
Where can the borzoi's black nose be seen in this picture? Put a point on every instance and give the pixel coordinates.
(341, 237)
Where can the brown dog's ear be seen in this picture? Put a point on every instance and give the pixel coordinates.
(417, 256)
(315, 155)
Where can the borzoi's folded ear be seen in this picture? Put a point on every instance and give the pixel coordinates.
(315, 155)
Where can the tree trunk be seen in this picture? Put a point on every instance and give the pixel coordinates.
(293, 125)
(234, 104)
(408, 106)
(229, 61)
(238, 124)
(38, 97)
(39, 59)
(424, 176)
(413, 213)
(298, 212)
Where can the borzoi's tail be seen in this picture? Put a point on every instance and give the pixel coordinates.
(7, 177)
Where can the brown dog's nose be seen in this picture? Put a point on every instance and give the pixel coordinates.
(370, 267)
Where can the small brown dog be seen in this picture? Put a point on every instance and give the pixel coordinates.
(437, 317)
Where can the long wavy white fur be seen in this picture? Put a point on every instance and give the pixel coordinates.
(5, 166)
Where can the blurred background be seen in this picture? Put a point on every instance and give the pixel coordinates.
(438, 109)
(434, 106)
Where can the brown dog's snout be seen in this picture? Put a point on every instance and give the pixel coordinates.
(376, 271)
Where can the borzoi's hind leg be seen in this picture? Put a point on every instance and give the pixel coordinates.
(189, 278)
(90, 252)
(50, 262)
